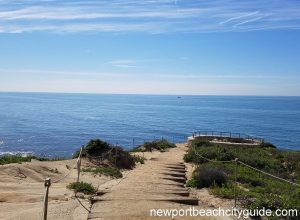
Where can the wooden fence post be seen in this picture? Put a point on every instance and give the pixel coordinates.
(115, 156)
(235, 188)
(47, 184)
(79, 164)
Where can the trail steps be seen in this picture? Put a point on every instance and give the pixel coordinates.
(158, 184)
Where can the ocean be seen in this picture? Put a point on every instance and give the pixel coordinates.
(51, 124)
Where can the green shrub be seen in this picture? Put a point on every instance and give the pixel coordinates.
(292, 162)
(83, 187)
(202, 142)
(95, 147)
(18, 158)
(190, 157)
(115, 155)
(160, 145)
(206, 177)
(139, 159)
(193, 182)
(164, 144)
(211, 176)
(149, 146)
(121, 159)
(109, 171)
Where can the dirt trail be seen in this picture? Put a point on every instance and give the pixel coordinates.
(158, 184)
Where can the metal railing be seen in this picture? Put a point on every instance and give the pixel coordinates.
(226, 134)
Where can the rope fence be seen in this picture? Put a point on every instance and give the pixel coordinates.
(273, 176)
(135, 142)
(237, 161)
(77, 166)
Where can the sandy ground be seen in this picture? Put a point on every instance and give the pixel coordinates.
(159, 183)
(22, 190)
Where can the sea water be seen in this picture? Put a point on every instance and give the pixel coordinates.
(57, 124)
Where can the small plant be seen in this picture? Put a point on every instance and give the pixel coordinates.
(83, 187)
(192, 183)
(54, 170)
(139, 159)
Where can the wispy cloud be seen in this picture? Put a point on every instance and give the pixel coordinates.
(160, 75)
(124, 63)
(244, 15)
(247, 21)
(150, 16)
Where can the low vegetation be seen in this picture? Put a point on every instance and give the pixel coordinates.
(207, 176)
(161, 145)
(95, 147)
(253, 189)
(7, 159)
(83, 187)
(100, 151)
(139, 159)
(121, 159)
(19, 158)
(108, 171)
(108, 159)
(50, 158)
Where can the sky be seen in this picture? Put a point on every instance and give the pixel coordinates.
(182, 47)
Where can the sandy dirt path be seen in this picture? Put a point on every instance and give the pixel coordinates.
(158, 184)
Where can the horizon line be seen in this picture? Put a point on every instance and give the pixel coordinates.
(146, 94)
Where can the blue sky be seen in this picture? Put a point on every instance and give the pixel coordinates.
(214, 47)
